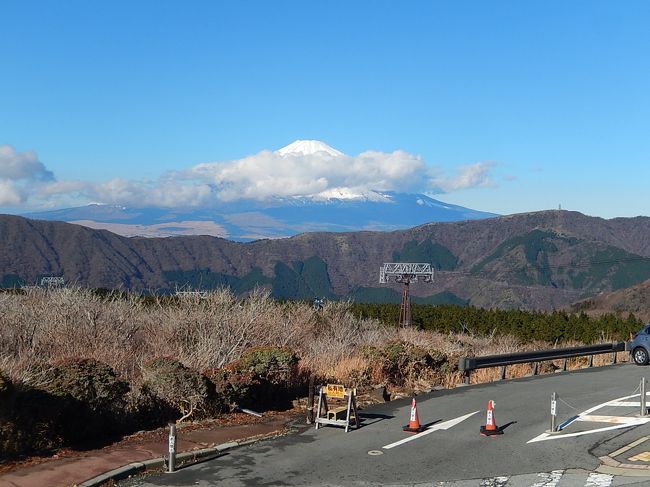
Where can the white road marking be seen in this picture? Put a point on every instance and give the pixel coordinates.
(546, 436)
(435, 427)
(599, 480)
(594, 418)
(624, 404)
(620, 421)
(548, 479)
(544, 479)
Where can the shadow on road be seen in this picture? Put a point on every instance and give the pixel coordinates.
(503, 427)
(376, 417)
(425, 426)
(191, 462)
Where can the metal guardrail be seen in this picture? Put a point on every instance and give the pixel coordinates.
(467, 364)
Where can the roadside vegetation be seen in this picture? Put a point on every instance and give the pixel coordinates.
(77, 365)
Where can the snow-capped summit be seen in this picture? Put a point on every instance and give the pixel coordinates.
(307, 147)
(343, 193)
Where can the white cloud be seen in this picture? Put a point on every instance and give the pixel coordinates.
(20, 174)
(22, 165)
(268, 174)
(163, 192)
(63, 187)
(468, 176)
(9, 194)
(26, 182)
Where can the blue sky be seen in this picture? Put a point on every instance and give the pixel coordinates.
(545, 103)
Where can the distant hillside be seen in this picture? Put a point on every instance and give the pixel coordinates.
(543, 260)
(635, 299)
(247, 220)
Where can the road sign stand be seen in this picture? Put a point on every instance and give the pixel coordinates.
(554, 426)
(330, 415)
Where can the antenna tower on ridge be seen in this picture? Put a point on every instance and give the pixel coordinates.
(406, 273)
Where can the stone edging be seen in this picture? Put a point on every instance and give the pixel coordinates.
(191, 455)
(610, 463)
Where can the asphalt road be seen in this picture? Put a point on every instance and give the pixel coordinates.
(457, 456)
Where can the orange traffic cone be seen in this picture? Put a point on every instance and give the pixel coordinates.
(490, 428)
(414, 422)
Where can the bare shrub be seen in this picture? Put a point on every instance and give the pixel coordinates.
(211, 332)
(126, 332)
(276, 365)
(5, 384)
(353, 370)
(231, 387)
(30, 422)
(177, 385)
(247, 349)
(264, 378)
(334, 334)
(86, 380)
(53, 325)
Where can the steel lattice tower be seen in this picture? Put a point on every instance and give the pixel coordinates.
(406, 273)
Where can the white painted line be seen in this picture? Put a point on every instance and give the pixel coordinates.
(625, 404)
(542, 437)
(435, 427)
(623, 421)
(546, 436)
(548, 479)
(594, 418)
(599, 480)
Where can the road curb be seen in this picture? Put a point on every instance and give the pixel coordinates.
(613, 466)
(624, 471)
(610, 462)
(186, 456)
(115, 474)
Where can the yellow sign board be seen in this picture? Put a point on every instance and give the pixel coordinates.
(335, 391)
(332, 413)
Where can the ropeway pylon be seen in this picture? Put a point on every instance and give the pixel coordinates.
(406, 273)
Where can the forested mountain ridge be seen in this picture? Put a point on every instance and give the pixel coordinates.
(622, 302)
(541, 260)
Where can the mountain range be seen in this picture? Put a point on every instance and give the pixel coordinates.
(247, 220)
(333, 210)
(634, 299)
(543, 260)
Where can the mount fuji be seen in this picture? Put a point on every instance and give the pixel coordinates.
(308, 147)
(337, 209)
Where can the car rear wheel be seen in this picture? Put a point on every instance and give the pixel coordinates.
(640, 356)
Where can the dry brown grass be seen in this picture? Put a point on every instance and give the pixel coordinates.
(47, 326)
(349, 370)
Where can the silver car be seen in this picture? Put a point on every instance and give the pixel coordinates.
(639, 346)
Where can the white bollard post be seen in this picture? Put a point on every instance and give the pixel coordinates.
(644, 409)
(171, 465)
(554, 412)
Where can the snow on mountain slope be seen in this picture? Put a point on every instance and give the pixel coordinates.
(308, 147)
(279, 217)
